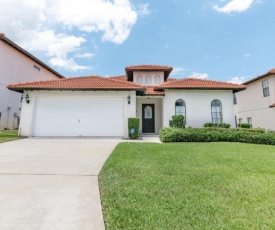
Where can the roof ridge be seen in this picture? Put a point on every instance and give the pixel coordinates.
(148, 65)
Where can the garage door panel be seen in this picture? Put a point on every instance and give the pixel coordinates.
(78, 117)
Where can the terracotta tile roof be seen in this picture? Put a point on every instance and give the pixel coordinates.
(270, 72)
(4, 39)
(120, 78)
(130, 69)
(272, 106)
(194, 83)
(171, 79)
(151, 92)
(148, 67)
(78, 83)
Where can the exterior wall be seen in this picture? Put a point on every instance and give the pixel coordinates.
(252, 103)
(198, 106)
(16, 67)
(156, 77)
(157, 101)
(28, 110)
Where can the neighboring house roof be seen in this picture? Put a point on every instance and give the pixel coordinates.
(130, 69)
(194, 83)
(78, 83)
(10, 43)
(270, 72)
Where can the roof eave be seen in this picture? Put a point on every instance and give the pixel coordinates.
(258, 78)
(199, 88)
(21, 90)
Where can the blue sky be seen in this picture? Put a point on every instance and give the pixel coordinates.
(226, 40)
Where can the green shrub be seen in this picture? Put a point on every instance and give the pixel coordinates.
(244, 125)
(252, 130)
(213, 134)
(222, 125)
(170, 123)
(178, 121)
(133, 122)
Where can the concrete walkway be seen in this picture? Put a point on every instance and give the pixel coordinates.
(52, 183)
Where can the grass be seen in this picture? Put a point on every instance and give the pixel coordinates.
(8, 135)
(189, 186)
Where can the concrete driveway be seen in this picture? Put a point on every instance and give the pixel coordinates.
(52, 183)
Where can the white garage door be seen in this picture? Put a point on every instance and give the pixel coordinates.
(78, 117)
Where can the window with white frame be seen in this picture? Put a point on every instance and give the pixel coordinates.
(216, 112)
(180, 107)
(265, 88)
(249, 121)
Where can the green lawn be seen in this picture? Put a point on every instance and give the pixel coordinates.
(8, 135)
(189, 186)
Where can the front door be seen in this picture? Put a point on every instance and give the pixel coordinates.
(148, 118)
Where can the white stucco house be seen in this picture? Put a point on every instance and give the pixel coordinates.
(17, 65)
(100, 106)
(256, 104)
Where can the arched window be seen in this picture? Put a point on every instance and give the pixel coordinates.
(157, 79)
(148, 80)
(180, 107)
(216, 111)
(139, 79)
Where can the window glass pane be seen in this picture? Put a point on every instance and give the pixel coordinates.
(265, 88)
(180, 107)
(216, 109)
(148, 112)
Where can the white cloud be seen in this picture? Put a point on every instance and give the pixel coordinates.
(143, 9)
(247, 55)
(179, 71)
(234, 6)
(183, 72)
(48, 25)
(68, 64)
(84, 55)
(237, 80)
(199, 75)
(115, 19)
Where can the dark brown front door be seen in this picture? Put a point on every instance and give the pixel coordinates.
(148, 118)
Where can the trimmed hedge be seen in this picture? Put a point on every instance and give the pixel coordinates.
(251, 130)
(244, 125)
(216, 135)
(222, 125)
(133, 122)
